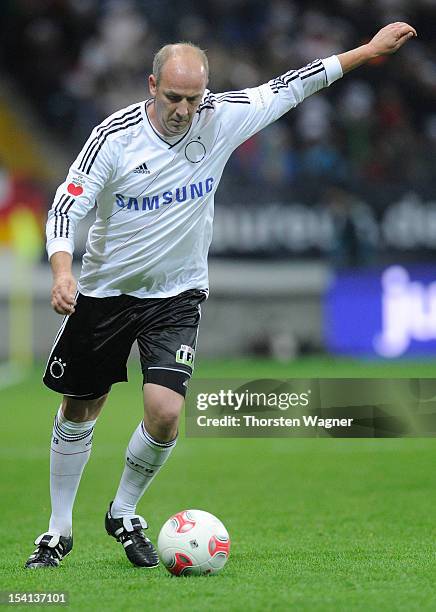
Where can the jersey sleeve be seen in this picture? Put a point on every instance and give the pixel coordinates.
(247, 111)
(76, 196)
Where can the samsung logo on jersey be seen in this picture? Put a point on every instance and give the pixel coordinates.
(180, 194)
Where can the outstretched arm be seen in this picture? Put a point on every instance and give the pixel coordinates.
(247, 111)
(387, 41)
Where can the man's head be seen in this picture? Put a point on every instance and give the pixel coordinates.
(180, 75)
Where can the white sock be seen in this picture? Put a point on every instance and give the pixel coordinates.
(144, 458)
(70, 450)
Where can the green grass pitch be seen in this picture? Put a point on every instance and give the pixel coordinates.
(316, 524)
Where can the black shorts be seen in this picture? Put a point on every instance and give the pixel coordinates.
(91, 349)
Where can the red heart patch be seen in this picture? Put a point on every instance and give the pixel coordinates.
(75, 190)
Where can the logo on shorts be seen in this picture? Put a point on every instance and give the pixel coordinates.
(57, 367)
(185, 355)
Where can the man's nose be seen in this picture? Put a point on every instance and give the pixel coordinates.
(182, 110)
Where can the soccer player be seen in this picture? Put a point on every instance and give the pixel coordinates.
(152, 170)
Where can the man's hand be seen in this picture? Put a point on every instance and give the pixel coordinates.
(387, 40)
(391, 38)
(64, 284)
(63, 293)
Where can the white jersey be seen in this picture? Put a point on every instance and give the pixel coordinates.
(154, 199)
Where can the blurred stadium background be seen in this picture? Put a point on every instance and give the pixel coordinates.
(325, 228)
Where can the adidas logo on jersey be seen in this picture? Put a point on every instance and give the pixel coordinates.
(142, 169)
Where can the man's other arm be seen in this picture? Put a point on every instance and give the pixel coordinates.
(74, 198)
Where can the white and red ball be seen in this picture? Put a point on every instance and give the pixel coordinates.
(193, 542)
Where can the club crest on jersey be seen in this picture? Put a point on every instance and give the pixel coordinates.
(195, 151)
(185, 355)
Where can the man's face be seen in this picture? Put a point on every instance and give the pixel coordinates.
(177, 95)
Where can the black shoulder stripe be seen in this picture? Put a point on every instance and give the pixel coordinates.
(229, 93)
(309, 74)
(311, 67)
(60, 212)
(234, 101)
(283, 81)
(288, 74)
(103, 126)
(206, 105)
(238, 97)
(63, 212)
(232, 94)
(64, 215)
(68, 218)
(66, 211)
(229, 99)
(61, 231)
(94, 144)
(102, 129)
(57, 207)
(106, 126)
(290, 77)
(60, 202)
(315, 64)
(233, 97)
(200, 109)
(208, 102)
(106, 134)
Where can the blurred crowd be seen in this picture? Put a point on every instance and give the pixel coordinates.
(80, 60)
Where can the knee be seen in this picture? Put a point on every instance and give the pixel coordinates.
(77, 410)
(161, 415)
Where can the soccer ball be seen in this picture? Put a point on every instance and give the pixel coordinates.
(193, 542)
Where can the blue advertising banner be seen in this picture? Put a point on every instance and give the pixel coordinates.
(382, 313)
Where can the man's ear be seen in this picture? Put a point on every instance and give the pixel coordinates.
(152, 85)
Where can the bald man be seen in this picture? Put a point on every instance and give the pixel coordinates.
(152, 170)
